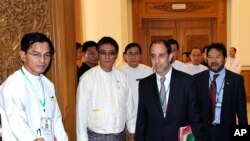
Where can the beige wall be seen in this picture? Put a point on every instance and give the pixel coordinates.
(238, 29)
(114, 18)
(106, 18)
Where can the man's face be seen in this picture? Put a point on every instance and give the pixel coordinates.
(90, 57)
(215, 60)
(107, 55)
(78, 54)
(37, 58)
(133, 57)
(174, 51)
(232, 53)
(196, 57)
(160, 58)
(185, 58)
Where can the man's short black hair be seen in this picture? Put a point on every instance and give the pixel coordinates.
(107, 40)
(186, 53)
(219, 47)
(130, 45)
(174, 42)
(34, 37)
(87, 45)
(204, 49)
(78, 45)
(235, 50)
(164, 42)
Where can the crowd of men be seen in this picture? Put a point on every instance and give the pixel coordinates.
(146, 103)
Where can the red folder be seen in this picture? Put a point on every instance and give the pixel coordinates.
(185, 134)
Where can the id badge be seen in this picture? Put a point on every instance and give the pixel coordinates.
(218, 105)
(46, 126)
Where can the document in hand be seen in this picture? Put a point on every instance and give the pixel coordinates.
(185, 134)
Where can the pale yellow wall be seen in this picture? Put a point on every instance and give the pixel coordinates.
(239, 27)
(106, 18)
(113, 18)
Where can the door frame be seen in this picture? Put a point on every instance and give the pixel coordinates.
(144, 10)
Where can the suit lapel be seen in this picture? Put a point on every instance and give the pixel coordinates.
(226, 93)
(205, 88)
(173, 92)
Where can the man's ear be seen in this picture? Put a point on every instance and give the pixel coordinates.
(22, 55)
(170, 57)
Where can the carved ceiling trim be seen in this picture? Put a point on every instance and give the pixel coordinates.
(167, 7)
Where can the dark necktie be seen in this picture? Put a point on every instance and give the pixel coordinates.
(212, 96)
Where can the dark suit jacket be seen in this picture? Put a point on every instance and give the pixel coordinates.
(182, 110)
(84, 67)
(233, 103)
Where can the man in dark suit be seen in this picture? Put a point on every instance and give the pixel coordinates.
(161, 114)
(219, 109)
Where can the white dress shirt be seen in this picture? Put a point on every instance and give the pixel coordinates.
(134, 75)
(20, 95)
(194, 69)
(166, 84)
(233, 64)
(5, 128)
(104, 103)
(179, 66)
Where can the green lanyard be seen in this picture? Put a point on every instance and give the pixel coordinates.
(41, 101)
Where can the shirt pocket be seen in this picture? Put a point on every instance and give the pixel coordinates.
(96, 118)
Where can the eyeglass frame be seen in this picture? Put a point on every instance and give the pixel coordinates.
(108, 53)
(38, 55)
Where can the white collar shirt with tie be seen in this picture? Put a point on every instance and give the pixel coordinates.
(166, 84)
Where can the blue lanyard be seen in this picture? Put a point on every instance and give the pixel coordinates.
(41, 101)
(218, 92)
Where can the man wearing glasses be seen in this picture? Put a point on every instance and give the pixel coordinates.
(222, 95)
(104, 99)
(134, 70)
(28, 97)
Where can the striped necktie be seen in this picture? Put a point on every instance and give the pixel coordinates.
(212, 97)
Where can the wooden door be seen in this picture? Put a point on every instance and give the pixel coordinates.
(192, 23)
(189, 33)
(195, 34)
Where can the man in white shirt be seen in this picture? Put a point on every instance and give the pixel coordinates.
(175, 51)
(104, 99)
(196, 66)
(28, 97)
(134, 70)
(233, 63)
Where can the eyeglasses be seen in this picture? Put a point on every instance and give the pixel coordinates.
(214, 57)
(108, 53)
(130, 54)
(37, 55)
(92, 53)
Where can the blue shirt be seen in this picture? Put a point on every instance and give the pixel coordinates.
(220, 81)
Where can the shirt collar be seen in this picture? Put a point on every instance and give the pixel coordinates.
(167, 76)
(31, 76)
(221, 73)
